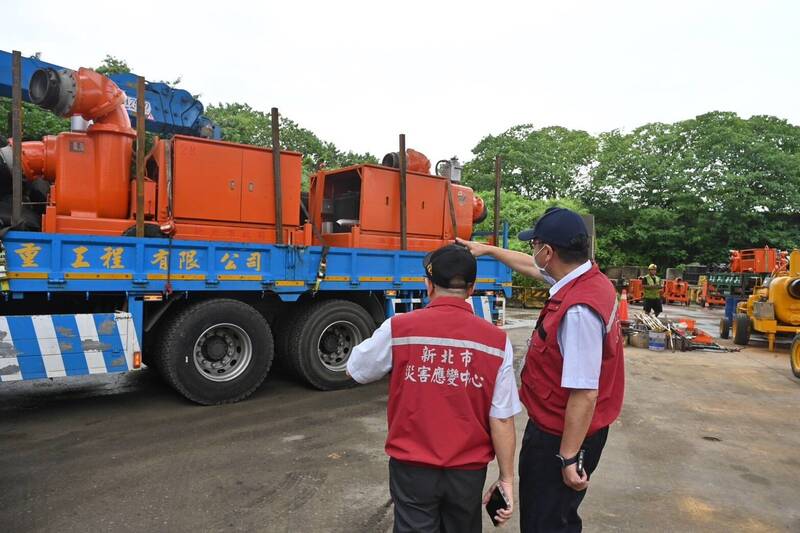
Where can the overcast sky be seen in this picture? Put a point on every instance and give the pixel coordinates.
(444, 73)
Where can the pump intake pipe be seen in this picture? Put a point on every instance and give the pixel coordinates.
(83, 92)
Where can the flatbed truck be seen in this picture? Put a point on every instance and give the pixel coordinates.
(210, 317)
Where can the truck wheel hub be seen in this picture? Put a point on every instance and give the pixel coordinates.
(335, 344)
(222, 352)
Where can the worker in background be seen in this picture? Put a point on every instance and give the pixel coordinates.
(573, 377)
(452, 401)
(651, 284)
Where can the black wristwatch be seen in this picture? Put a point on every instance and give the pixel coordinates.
(566, 462)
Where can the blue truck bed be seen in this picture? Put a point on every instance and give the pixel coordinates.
(76, 304)
(41, 262)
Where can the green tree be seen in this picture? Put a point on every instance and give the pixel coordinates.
(692, 190)
(36, 122)
(112, 65)
(537, 163)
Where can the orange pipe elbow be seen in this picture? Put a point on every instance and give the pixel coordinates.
(417, 162)
(478, 209)
(83, 92)
(99, 99)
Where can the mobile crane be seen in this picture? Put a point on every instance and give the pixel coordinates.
(169, 110)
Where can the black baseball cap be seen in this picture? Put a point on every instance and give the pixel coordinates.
(449, 262)
(558, 226)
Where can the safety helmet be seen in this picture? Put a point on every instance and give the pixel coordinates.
(652, 266)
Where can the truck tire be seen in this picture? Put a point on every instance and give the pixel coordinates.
(282, 332)
(30, 220)
(724, 328)
(217, 351)
(321, 340)
(741, 329)
(794, 356)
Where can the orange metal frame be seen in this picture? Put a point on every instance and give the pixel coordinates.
(676, 291)
(378, 223)
(635, 291)
(758, 260)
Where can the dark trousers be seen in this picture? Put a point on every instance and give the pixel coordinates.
(654, 305)
(546, 504)
(435, 499)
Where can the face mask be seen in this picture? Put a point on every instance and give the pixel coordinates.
(536, 263)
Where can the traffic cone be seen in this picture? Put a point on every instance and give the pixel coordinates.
(623, 305)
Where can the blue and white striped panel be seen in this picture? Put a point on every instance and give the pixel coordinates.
(49, 346)
(481, 305)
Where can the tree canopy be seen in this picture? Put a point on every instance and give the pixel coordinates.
(537, 163)
(112, 65)
(692, 190)
(664, 193)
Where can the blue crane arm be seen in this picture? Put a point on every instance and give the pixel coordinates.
(169, 110)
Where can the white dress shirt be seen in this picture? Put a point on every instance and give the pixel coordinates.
(580, 337)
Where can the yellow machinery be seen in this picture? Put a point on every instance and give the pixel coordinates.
(772, 309)
(530, 297)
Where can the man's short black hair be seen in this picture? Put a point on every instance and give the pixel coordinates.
(576, 252)
(451, 267)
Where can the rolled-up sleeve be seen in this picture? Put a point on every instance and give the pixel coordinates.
(372, 358)
(505, 398)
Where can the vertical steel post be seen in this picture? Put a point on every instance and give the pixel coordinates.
(276, 173)
(496, 231)
(16, 133)
(140, 142)
(452, 206)
(403, 200)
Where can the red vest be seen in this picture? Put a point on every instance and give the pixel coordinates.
(444, 366)
(541, 390)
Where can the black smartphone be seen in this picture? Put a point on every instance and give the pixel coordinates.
(580, 462)
(496, 502)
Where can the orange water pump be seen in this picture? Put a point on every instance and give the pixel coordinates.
(90, 170)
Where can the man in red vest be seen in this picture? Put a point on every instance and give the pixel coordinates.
(452, 401)
(573, 377)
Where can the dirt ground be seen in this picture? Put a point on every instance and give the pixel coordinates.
(706, 442)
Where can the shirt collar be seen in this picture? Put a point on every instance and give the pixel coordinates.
(584, 268)
(450, 300)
